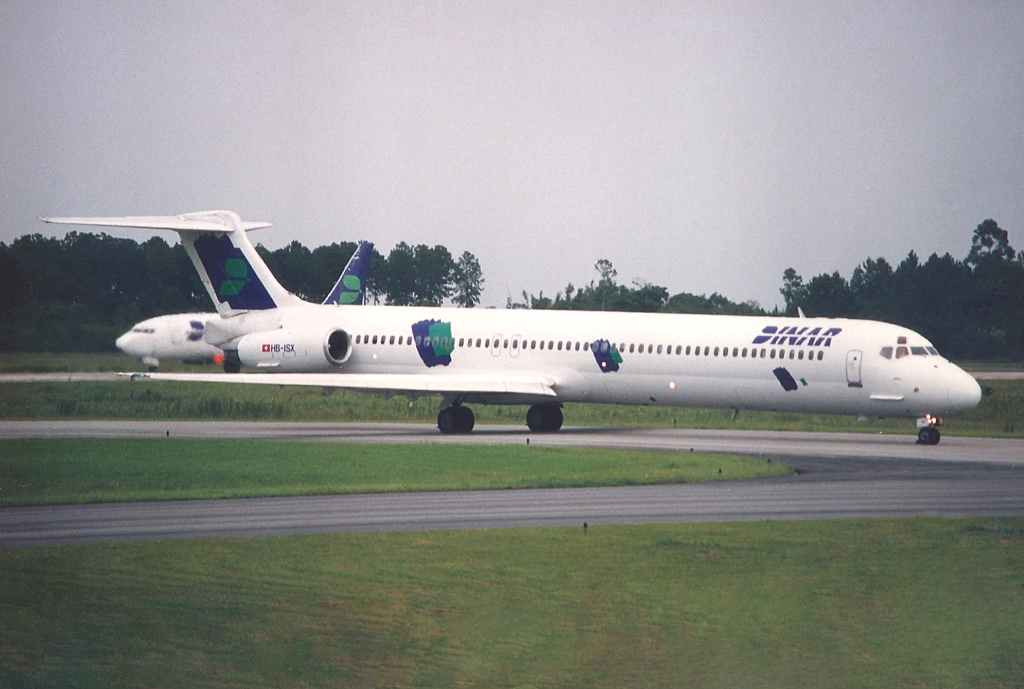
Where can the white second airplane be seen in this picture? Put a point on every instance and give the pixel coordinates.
(178, 337)
(546, 358)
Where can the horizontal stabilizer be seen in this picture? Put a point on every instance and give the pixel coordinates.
(229, 266)
(208, 221)
(398, 383)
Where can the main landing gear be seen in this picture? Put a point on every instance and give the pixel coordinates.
(927, 433)
(541, 418)
(457, 419)
(544, 418)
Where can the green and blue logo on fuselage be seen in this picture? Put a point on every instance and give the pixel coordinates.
(434, 342)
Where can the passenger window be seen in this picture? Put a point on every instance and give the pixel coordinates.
(821, 353)
(478, 342)
(515, 344)
(504, 345)
(679, 349)
(886, 352)
(358, 338)
(391, 340)
(801, 355)
(792, 353)
(687, 350)
(716, 351)
(577, 347)
(559, 345)
(696, 352)
(586, 346)
(744, 352)
(902, 352)
(659, 349)
(533, 344)
(374, 339)
(707, 350)
(487, 343)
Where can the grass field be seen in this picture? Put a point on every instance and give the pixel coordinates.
(876, 603)
(64, 471)
(1001, 412)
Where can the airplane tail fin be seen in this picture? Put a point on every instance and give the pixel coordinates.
(233, 273)
(351, 286)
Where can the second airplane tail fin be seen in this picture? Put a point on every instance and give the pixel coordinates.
(351, 286)
(233, 273)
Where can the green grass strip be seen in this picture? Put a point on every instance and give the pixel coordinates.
(875, 603)
(66, 471)
(1000, 414)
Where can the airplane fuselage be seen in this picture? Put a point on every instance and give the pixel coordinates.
(830, 366)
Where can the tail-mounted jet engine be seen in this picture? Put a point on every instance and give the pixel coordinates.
(297, 351)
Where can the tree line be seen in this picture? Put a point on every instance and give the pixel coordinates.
(971, 309)
(78, 293)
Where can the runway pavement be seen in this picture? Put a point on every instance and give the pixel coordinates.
(756, 443)
(839, 476)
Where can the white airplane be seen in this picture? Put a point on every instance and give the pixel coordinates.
(179, 336)
(547, 358)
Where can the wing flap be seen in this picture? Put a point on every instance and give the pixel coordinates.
(375, 382)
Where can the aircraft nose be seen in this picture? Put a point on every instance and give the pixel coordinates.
(121, 342)
(964, 392)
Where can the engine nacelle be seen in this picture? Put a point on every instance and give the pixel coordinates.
(296, 351)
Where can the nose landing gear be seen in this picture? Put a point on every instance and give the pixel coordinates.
(927, 433)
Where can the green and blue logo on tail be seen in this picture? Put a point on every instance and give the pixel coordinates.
(233, 278)
(351, 286)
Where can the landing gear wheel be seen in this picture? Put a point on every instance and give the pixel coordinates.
(929, 435)
(466, 419)
(447, 420)
(232, 367)
(455, 420)
(554, 419)
(544, 418)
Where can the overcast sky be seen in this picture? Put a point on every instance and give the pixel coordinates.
(704, 147)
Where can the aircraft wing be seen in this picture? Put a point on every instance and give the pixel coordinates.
(398, 383)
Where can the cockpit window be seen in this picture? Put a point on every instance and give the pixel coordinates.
(932, 351)
(918, 351)
(886, 352)
(902, 352)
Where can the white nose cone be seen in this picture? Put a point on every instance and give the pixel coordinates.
(964, 392)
